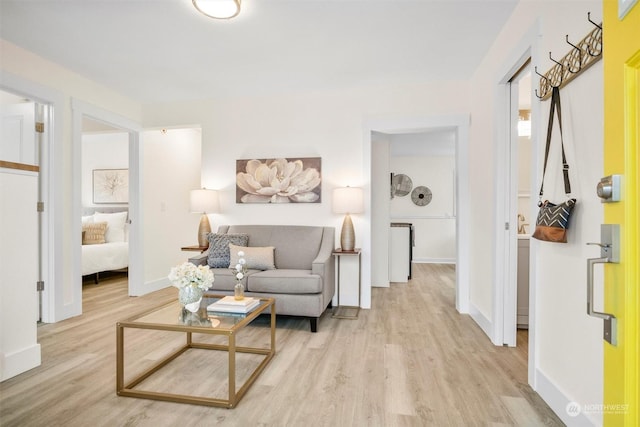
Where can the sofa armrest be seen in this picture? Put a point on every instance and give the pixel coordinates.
(200, 259)
(325, 262)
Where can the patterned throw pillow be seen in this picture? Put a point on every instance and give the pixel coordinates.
(93, 233)
(219, 256)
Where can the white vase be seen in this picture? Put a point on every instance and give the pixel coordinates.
(190, 297)
(193, 306)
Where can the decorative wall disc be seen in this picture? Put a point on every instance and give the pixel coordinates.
(421, 196)
(401, 184)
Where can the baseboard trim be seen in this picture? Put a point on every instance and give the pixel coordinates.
(434, 260)
(13, 364)
(481, 320)
(561, 404)
(153, 286)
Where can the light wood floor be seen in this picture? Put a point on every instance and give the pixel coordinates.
(411, 360)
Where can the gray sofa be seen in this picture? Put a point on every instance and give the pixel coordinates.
(303, 280)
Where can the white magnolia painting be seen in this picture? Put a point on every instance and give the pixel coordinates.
(110, 186)
(293, 180)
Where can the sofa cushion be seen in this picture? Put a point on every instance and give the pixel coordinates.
(219, 256)
(296, 245)
(257, 258)
(285, 281)
(225, 279)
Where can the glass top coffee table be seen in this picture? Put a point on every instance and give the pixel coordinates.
(172, 317)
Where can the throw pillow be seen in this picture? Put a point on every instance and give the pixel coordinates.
(115, 228)
(219, 248)
(256, 257)
(93, 233)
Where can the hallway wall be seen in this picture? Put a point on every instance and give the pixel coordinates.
(568, 343)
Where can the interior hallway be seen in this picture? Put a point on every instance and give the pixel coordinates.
(411, 360)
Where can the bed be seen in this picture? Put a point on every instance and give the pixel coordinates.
(105, 245)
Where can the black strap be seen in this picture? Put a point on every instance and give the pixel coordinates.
(555, 100)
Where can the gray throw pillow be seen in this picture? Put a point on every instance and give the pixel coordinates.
(219, 256)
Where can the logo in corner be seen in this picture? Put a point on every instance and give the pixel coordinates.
(573, 409)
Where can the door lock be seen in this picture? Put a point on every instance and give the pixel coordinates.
(608, 189)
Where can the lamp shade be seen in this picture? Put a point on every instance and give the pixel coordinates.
(220, 9)
(204, 201)
(348, 200)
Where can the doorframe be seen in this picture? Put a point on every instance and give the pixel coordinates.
(460, 123)
(505, 266)
(53, 305)
(81, 109)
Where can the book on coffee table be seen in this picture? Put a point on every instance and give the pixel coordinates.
(229, 304)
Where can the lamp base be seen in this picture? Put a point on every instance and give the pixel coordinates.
(203, 231)
(347, 235)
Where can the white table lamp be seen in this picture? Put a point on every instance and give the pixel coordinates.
(205, 202)
(348, 200)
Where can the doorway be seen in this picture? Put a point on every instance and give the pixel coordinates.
(379, 217)
(518, 206)
(23, 128)
(85, 116)
(104, 197)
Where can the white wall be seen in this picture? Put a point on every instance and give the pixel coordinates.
(324, 124)
(171, 169)
(568, 343)
(435, 223)
(102, 151)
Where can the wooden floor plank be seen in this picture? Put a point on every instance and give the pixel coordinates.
(411, 360)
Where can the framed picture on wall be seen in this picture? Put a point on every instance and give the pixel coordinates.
(290, 180)
(110, 185)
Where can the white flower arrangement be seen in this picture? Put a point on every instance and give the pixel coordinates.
(241, 267)
(187, 274)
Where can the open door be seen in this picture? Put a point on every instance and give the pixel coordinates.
(621, 53)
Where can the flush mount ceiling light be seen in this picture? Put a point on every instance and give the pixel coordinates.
(219, 9)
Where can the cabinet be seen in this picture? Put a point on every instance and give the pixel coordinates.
(523, 283)
(400, 251)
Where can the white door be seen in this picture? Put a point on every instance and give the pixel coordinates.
(17, 130)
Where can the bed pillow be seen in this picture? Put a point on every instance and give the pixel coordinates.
(256, 257)
(93, 233)
(87, 218)
(219, 248)
(115, 225)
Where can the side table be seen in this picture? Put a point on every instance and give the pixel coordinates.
(347, 311)
(194, 248)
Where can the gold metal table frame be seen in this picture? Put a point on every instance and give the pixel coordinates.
(127, 389)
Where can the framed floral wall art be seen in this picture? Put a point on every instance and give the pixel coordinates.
(290, 180)
(110, 185)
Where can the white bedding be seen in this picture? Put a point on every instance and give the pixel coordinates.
(104, 257)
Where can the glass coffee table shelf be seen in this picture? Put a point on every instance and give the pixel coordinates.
(172, 317)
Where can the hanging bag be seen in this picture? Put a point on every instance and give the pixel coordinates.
(553, 219)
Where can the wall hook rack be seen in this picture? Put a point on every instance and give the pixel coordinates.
(578, 53)
(581, 56)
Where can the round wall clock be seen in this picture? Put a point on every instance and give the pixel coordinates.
(401, 185)
(421, 196)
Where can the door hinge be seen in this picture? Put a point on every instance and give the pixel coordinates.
(40, 127)
(40, 285)
(40, 207)
(506, 226)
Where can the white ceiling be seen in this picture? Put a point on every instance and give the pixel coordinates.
(164, 50)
